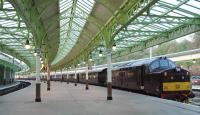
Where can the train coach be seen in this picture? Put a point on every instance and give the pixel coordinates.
(158, 76)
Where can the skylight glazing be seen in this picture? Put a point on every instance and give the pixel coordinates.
(14, 33)
(164, 16)
(73, 16)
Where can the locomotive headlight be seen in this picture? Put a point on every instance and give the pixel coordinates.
(165, 74)
(172, 77)
(183, 77)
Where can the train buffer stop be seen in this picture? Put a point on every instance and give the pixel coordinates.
(99, 57)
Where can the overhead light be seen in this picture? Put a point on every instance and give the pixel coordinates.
(114, 47)
(78, 64)
(35, 54)
(100, 53)
(193, 61)
(27, 45)
(42, 61)
(90, 57)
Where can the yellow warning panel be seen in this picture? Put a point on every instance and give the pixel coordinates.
(176, 86)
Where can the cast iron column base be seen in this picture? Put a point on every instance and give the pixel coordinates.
(109, 91)
(38, 98)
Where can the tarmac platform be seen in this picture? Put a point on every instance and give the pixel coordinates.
(66, 99)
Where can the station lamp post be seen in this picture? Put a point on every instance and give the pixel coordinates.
(38, 83)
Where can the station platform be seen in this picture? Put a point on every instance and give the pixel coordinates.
(2, 87)
(66, 99)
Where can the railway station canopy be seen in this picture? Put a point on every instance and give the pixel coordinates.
(69, 32)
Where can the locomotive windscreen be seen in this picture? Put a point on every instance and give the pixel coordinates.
(161, 64)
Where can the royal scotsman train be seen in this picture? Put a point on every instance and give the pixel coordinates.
(158, 76)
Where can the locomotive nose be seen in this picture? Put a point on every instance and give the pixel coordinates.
(177, 69)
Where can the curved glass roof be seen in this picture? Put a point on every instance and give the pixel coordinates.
(158, 20)
(14, 33)
(164, 21)
(73, 16)
(135, 26)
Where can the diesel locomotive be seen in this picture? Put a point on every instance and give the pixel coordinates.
(158, 76)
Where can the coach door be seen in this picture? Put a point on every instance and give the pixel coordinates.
(122, 77)
(141, 77)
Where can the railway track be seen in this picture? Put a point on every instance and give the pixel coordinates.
(196, 99)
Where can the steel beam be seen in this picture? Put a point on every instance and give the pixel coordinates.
(166, 36)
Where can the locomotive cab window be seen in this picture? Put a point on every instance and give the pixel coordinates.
(161, 64)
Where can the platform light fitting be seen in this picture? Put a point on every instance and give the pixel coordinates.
(193, 61)
(35, 54)
(100, 53)
(42, 61)
(114, 47)
(90, 57)
(27, 45)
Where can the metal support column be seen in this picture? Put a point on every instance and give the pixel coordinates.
(55, 77)
(75, 77)
(61, 75)
(86, 77)
(45, 76)
(67, 76)
(10, 80)
(109, 75)
(4, 75)
(48, 78)
(150, 52)
(38, 84)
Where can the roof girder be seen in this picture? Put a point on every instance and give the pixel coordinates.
(166, 36)
(112, 23)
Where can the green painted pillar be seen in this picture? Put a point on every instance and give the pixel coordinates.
(107, 35)
(86, 77)
(75, 77)
(109, 74)
(67, 76)
(48, 77)
(38, 83)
